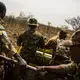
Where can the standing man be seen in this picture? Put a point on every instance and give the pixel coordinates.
(31, 41)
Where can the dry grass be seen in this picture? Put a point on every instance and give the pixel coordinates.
(14, 30)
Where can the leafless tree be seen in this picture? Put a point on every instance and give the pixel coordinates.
(74, 22)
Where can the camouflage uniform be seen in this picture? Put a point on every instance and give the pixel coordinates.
(6, 46)
(30, 41)
(60, 52)
(72, 68)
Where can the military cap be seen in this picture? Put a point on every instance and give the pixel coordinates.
(32, 22)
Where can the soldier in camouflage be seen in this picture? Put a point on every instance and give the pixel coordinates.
(5, 44)
(31, 41)
(60, 53)
(73, 67)
(6, 47)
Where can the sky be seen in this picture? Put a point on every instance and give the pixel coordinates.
(54, 11)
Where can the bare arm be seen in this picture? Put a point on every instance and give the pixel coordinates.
(64, 68)
(59, 68)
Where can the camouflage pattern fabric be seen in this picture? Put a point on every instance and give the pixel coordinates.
(5, 44)
(30, 41)
(73, 69)
(60, 51)
(5, 47)
(62, 55)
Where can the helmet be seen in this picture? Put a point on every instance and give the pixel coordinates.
(32, 22)
(2, 10)
(76, 37)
